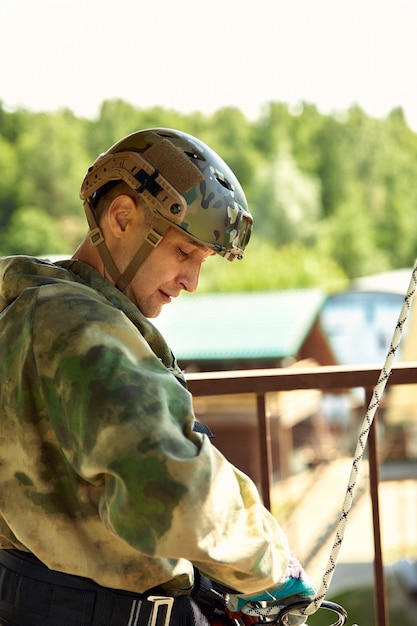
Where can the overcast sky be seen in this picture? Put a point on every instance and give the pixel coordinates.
(197, 55)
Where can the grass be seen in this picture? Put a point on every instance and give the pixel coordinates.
(359, 604)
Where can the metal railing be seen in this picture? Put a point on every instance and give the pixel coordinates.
(260, 382)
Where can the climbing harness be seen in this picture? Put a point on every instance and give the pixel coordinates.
(274, 612)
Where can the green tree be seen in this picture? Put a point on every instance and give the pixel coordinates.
(53, 162)
(271, 129)
(31, 231)
(340, 187)
(333, 164)
(394, 232)
(266, 267)
(12, 124)
(10, 178)
(348, 237)
(305, 123)
(117, 118)
(230, 134)
(286, 201)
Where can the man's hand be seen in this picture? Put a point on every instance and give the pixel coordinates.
(294, 586)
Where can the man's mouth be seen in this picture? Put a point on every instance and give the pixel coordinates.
(165, 297)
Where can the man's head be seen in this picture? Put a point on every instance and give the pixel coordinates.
(176, 187)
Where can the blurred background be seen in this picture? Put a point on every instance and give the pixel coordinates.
(312, 103)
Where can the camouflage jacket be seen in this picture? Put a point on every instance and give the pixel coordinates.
(101, 474)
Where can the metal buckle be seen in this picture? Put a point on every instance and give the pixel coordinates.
(161, 601)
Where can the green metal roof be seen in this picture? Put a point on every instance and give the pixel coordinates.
(271, 324)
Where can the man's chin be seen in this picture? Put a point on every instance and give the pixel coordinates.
(152, 313)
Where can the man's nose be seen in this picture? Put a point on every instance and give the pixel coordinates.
(189, 279)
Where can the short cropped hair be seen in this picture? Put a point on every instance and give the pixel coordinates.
(103, 198)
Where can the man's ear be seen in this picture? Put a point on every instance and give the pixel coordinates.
(122, 212)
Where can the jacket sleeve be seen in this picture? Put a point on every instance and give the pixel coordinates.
(126, 425)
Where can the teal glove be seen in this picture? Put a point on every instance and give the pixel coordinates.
(292, 590)
(294, 586)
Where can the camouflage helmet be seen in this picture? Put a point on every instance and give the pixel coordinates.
(186, 184)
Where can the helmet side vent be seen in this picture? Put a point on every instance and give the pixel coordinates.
(223, 181)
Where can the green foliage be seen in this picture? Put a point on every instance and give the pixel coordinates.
(333, 196)
(229, 133)
(359, 603)
(266, 267)
(288, 198)
(31, 231)
(52, 163)
(12, 124)
(348, 237)
(9, 180)
(118, 118)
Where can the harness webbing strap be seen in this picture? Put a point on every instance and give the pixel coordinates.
(31, 593)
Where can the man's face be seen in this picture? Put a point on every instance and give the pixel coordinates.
(172, 266)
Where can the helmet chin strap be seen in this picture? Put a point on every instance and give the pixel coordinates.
(152, 239)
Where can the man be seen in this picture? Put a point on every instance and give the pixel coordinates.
(115, 508)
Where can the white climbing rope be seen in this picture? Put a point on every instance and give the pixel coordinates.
(379, 388)
(362, 440)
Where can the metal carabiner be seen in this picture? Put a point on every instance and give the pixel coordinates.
(331, 606)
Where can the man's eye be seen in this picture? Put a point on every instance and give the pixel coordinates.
(182, 252)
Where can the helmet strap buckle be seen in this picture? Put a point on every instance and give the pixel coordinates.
(150, 242)
(153, 237)
(96, 236)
